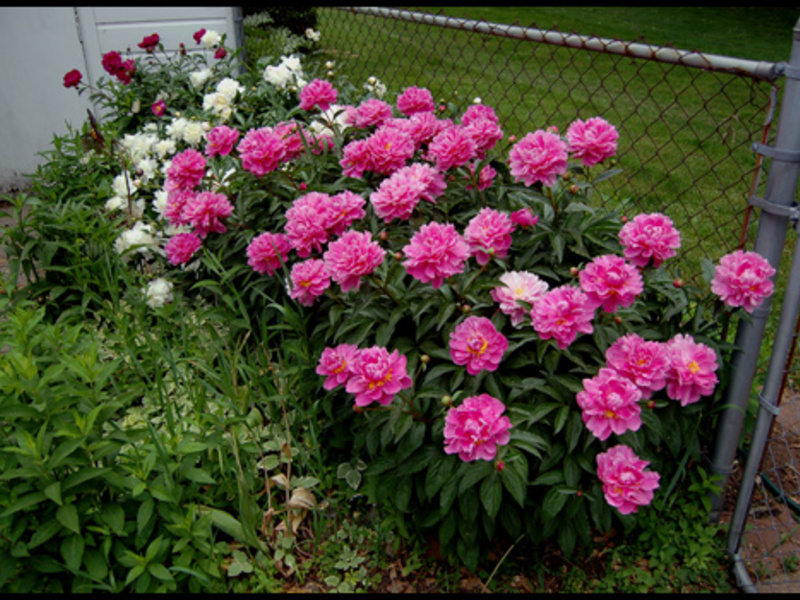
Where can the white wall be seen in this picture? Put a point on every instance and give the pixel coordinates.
(39, 45)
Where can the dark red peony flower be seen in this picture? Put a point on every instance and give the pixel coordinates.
(72, 79)
(149, 42)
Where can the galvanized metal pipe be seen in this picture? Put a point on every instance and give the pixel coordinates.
(770, 238)
(688, 58)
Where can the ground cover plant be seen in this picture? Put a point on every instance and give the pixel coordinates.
(264, 295)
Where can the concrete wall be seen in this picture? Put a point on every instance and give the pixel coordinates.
(40, 45)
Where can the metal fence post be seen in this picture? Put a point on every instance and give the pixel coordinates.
(770, 238)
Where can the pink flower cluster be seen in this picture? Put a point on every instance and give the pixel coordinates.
(267, 252)
(371, 112)
(384, 152)
(314, 217)
(592, 141)
(371, 374)
(489, 235)
(562, 313)
(692, 370)
(205, 211)
(319, 93)
(435, 252)
(351, 257)
(518, 285)
(261, 151)
(610, 404)
(481, 124)
(221, 140)
(649, 237)
(181, 247)
(452, 147)
(610, 282)
(644, 363)
(415, 100)
(627, 484)
(476, 343)
(474, 429)
(309, 279)
(186, 171)
(485, 177)
(538, 157)
(743, 279)
(398, 195)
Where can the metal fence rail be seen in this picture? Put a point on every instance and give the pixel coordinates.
(682, 116)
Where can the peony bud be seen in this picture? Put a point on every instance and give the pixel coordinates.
(477, 100)
(574, 271)
(466, 309)
(398, 256)
(383, 236)
(512, 139)
(447, 400)
(574, 189)
(624, 219)
(500, 465)
(303, 186)
(678, 283)
(425, 359)
(618, 320)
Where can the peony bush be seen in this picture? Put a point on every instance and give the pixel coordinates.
(506, 355)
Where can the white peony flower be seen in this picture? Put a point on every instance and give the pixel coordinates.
(158, 292)
(210, 39)
(165, 147)
(176, 128)
(160, 202)
(193, 134)
(198, 78)
(124, 185)
(229, 88)
(312, 35)
(219, 103)
(140, 236)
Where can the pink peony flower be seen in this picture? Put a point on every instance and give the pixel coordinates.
(72, 78)
(355, 159)
(453, 147)
(267, 252)
(221, 140)
(177, 201)
(291, 134)
(476, 343)
(539, 156)
(186, 170)
(149, 42)
(561, 314)
(397, 196)
(112, 62)
(309, 280)
(649, 236)
(433, 183)
(743, 279)
(474, 429)
(489, 235)
(478, 112)
(389, 148)
(643, 362)
(435, 252)
(626, 483)
(524, 217)
(261, 151)
(307, 223)
(205, 210)
(372, 112)
(692, 369)
(485, 177)
(319, 93)
(485, 133)
(610, 404)
(343, 209)
(181, 247)
(376, 376)
(423, 127)
(335, 363)
(518, 285)
(415, 100)
(592, 141)
(351, 257)
(610, 282)
(158, 108)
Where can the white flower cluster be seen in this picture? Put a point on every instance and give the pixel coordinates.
(142, 237)
(312, 34)
(286, 74)
(198, 78)
(191, 132)
(158, 292)
(220, 102)
(375, 86)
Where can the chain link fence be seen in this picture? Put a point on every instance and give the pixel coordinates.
(685, 125)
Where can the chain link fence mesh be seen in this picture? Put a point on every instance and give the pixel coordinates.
(686, 128)
(684, 132)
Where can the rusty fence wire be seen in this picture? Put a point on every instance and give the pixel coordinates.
(686, 120)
